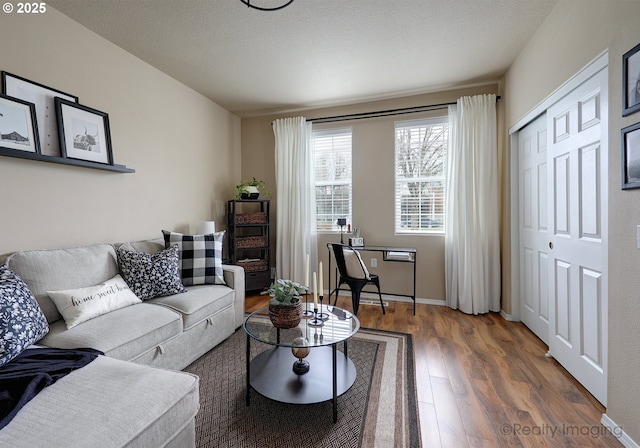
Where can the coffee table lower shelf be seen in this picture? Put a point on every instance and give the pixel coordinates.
(271, 375)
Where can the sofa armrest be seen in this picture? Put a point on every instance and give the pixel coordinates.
(234, 277)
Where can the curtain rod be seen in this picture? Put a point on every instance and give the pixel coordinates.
(383, 113)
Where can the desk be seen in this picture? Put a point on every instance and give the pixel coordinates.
(389, 253)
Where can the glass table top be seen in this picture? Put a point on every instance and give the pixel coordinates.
(339, 326)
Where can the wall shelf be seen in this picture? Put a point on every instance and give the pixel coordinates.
(61, 160)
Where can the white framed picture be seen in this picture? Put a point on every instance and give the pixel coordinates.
(84, 132)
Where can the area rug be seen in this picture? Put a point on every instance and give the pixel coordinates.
(378, 411)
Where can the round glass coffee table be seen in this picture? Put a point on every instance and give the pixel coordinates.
(271, 373)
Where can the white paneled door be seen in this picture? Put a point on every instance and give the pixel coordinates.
(534, 228)
(563, 231)
(577, 198)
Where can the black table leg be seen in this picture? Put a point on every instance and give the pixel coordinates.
(248, 368)
(414, 282)
(335, 384)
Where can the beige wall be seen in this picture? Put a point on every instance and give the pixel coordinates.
(373, 186)
(186, 152)
(574, 34)
(185, 149)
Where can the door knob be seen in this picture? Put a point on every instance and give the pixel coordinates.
(550, 245)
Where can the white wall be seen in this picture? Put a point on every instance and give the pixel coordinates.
(573, 35)
(185, 149)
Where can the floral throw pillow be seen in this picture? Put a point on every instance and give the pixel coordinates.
(151, 275)
(22, 322)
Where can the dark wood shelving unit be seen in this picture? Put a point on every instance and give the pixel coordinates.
(249, 225)
(64, 161)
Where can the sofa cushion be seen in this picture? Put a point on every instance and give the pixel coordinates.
(198, 303)
(22, 322)
(151, 275)
(200, 257)
(151, 246)
(82, 304)
(123, 334)
(107, 404)
(58, 269)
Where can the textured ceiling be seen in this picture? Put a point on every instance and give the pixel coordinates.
(316, 52)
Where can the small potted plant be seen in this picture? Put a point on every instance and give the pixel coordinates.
(285, 306)
(251, 189)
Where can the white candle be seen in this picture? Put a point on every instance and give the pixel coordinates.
(315, 291)
(306, 273)
(320, 281)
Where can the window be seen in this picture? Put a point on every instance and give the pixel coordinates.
(421, 149)
(332, 150)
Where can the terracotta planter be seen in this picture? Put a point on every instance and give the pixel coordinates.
(286, 316)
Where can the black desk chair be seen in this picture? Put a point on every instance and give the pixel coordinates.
(354, 273)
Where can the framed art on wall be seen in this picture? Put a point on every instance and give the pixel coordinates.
(630, 138)
(84, 132)
(631, 81)
(43, 99)
(18, 125)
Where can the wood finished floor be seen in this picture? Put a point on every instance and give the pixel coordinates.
(485, 382)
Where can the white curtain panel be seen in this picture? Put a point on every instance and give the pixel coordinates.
(472, 245)
(296, 234)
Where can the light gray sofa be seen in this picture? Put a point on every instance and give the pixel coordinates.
(117, 400)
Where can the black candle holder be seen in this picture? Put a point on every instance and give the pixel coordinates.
(307, 313)
(315, 321)
(322, 315)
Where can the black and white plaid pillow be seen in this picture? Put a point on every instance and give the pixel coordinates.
(200, 257)
(151, 275)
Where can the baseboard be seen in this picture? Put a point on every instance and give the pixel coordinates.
(617, 431)
(393, 298)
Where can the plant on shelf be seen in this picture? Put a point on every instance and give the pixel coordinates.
(251, 189)
(285, 306)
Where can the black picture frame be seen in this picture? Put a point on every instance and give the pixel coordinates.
(18, 125)
(84, 132)
(43, 98)
(631, 81)
(630, 142)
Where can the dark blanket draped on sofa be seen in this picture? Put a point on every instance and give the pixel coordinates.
(34, 369)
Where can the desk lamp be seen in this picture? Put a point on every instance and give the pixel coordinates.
(342, 222)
